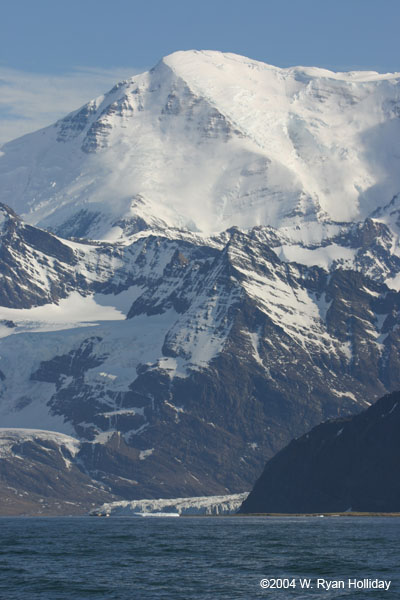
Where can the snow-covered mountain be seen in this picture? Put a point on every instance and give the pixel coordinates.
(235, 281)
(207, 141)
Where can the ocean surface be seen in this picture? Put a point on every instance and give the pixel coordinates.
(198, 558)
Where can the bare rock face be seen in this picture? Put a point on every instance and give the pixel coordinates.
(342, 465)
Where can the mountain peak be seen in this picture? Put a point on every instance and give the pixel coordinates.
(208, 140)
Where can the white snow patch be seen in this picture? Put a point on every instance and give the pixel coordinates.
(394, 282)
(121, 302)
(123, 411)
(322, 257)
(74, 311)
(143, 454)
(347, 350)
(177, 409)
(255, 340)
(344, 395)
(104, 436)
(108, 376)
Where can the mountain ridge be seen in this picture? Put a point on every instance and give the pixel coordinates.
(183, 304)
(248, 143)
(189, 349)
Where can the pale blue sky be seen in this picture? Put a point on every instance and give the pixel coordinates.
(57, 54)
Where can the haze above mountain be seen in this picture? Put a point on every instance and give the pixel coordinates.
(207, 140)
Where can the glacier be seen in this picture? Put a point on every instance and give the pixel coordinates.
(200, 505)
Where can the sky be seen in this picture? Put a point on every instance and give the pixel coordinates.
(55, 55)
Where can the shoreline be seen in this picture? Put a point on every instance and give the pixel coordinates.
(322, 514)
(247, 515)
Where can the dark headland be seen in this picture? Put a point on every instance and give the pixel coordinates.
(349, 465)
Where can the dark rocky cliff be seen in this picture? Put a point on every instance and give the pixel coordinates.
(341, 465)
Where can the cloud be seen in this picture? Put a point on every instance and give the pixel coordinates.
(29, 101)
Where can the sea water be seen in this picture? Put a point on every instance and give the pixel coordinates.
(205, 558)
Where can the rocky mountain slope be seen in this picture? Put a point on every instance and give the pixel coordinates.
(40, 474)
(234, 292)
(349, 464)
(172, 358)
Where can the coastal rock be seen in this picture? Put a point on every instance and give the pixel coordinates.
(342, 465)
